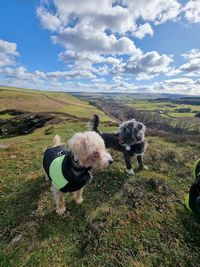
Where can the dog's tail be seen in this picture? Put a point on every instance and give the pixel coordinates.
(56, 140)
(95, 123)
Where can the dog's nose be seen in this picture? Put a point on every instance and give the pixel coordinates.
(116, 134)
(110, 161)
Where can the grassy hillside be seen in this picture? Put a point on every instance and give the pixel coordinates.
(43, 101)
(124, 221)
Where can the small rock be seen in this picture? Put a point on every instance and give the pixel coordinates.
(16, 239)
(4, 146)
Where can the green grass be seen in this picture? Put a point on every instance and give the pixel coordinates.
(181, 114)
(169, 107)
(124, 221)
(5, 116)
(165, 106)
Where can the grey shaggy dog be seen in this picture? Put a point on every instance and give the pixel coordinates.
(129, 139)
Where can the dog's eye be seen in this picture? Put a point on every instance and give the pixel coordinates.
(124, 129)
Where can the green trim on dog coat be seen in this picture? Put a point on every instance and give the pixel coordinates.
(56, 174)
(187, 203)
(192, 199)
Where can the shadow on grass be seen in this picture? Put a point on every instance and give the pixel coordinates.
(191, 224)
(102, 188)
(15, 209)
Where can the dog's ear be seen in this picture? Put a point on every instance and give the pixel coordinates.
(140, 126)
(78, 145)
(81, 147)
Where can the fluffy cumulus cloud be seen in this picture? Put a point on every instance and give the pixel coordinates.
(70, 56)
(192, 65)
(101, 14)
(192, 11)
(177, 85)
(193, 53)
(48, 20)
(84, 38)
(23, 74)
(8, 53)
(142, 30)
(148, 65)
(157, 11)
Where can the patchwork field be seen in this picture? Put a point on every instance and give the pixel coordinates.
(169, 108)
(137, 221)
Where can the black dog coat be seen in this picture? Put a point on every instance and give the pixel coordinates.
(62, 170)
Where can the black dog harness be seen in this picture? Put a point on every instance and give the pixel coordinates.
(192, 200)
(62, 169)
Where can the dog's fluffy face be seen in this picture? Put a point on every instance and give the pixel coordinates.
(89, 149)
(130, 132)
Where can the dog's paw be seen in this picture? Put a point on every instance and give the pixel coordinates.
(145, 167)
(46, 177)
(79, 200)
(142, 167)
(130, 171)
(61, 211)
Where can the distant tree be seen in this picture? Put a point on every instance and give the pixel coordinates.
(197, 115)
(183, 110)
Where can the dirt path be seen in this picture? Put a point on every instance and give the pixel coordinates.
(52, 98)
(66, 103)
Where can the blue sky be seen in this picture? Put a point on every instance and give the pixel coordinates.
(107, 45)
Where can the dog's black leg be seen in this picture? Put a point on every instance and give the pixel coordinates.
(128, 163)
(140, 162)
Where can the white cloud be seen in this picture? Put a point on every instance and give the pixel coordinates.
(173, 72)
(71, 55)
(193, 53)
(8, 52)
(23, 73)
(84, 38)
(70, 74)
(192, 66)
(148, 65)
(117, 19)
(48, 20)
(192, 11)
(178, 86)
(157, 11)
(101, 14)
(142, 30)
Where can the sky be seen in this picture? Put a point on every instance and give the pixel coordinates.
(131, 46)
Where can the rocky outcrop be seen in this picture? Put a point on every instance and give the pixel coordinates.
(22, 122)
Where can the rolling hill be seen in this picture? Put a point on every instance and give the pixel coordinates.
(43, 101)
